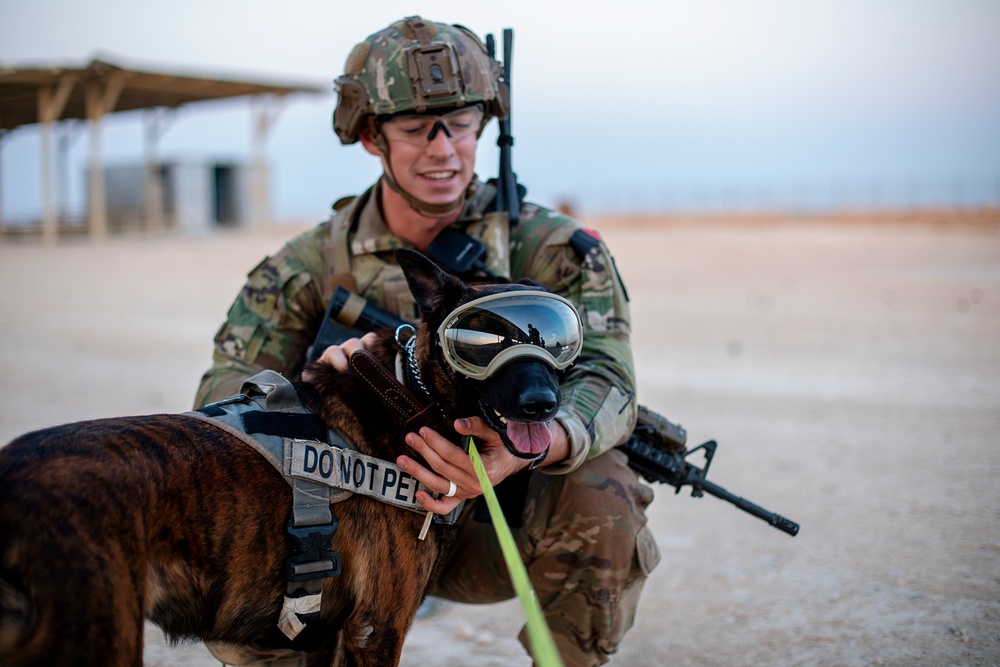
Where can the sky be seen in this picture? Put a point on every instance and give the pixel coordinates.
(631, 105)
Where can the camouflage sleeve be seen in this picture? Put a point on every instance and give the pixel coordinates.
(272, 322)
(598, 410)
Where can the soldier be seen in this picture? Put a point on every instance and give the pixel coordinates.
(417, 95)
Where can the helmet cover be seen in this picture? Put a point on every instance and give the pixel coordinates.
(415, 66)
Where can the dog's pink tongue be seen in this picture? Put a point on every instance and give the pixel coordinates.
(529, 438)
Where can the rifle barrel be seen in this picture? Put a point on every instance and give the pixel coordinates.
(776, 520)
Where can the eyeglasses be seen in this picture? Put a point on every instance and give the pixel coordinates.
(486, 333)
(422, 129)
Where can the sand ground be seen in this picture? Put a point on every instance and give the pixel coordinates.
(850, 372)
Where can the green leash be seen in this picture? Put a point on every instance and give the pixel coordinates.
(543, 647)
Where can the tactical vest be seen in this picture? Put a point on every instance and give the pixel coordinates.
(349, 263)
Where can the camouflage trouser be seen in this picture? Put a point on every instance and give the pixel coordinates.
(587, 550)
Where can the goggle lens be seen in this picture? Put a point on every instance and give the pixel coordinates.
(422, 129)
(484, 334)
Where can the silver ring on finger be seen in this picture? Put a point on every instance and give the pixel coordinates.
(452, 489)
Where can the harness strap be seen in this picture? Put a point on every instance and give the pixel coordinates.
(347, 469)
(214, 420)
(321, 468)
(320, 471)
(336, 249)
(313, 524)
(310, 508)
(285, 424)
(269, 408)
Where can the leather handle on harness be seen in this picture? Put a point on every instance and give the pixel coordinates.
(393, 393)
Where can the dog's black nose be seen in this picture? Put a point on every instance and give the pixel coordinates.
(537, 402)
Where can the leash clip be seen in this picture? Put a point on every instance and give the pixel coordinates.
(400, 330)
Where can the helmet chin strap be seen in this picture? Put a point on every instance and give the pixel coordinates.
(425, 209)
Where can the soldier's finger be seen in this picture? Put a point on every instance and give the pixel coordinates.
(440, 468)
(441, 505)
(446, 449)
(366, 342)
(336, 357)
(465, 486)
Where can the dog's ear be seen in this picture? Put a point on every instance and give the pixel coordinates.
(431, 287)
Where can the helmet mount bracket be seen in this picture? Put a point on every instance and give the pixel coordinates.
(434, 72)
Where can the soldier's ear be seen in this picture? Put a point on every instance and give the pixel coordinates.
(435, 291)
(365, 136)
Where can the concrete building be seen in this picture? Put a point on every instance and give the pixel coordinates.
(191, 195)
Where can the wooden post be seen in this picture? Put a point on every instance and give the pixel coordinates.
(66, 134)
(97, 213)
(153, 185)
(101, 100)
(265, 113)
(51, 102)
(3, 135)
(49, 230)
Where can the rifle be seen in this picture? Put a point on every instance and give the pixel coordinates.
(656, 449)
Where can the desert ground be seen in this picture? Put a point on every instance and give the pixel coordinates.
(848, 368)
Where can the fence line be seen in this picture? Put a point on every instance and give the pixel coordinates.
(877, 194)
(803, 197)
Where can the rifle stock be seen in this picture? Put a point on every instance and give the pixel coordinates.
(349, 316)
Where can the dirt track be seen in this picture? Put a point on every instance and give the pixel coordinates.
(850, 372)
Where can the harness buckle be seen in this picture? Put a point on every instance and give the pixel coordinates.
(314, 558)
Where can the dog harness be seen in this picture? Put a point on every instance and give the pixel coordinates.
(321, 467)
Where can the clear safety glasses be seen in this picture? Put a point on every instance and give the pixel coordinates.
(421, 129)
(483, 335)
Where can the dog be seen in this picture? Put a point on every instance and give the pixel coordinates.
(166, 517)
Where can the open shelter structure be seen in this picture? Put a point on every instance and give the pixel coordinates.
(50, 94)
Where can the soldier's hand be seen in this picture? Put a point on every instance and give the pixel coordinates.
(339, 355)
(449, 463)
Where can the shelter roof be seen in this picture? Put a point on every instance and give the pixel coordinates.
(134, 89)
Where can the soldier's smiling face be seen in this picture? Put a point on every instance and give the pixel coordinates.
(433, 156)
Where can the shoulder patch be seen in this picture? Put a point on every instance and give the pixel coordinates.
(584, 241)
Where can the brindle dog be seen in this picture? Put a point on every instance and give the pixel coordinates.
(166, 517)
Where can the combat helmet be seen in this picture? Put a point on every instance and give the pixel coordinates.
(416, 66)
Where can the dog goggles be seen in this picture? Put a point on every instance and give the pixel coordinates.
(486, 333)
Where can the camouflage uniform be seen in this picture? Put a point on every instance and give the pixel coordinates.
(583, 537)
(582, 531)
